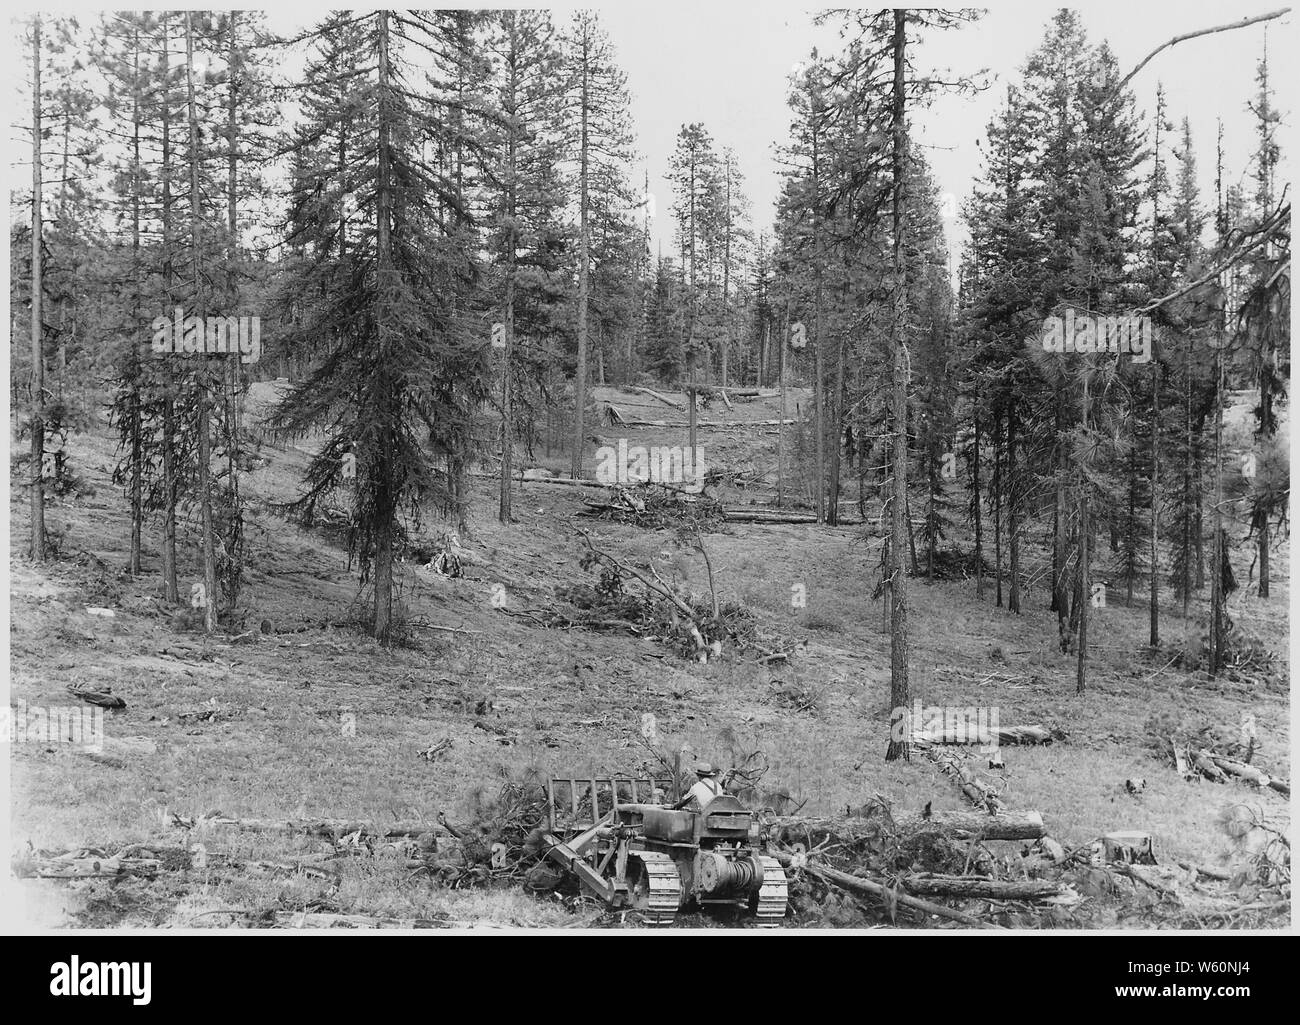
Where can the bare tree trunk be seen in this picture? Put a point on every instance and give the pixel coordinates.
(135, 412)
(1217, 597)
(37, 550)
(234, 512)
(692, 408)
(1199, 532)
(171, 589)
(780, 427)
(979, 532)
(1085, 582)
(1013, 524)
(1188, 548)
(204, 439)
(899, 694)
(584, 272)
(384, 500)
(819, 416)
(997, 506)
(1155, 505)
(507, 363)
(836, 430)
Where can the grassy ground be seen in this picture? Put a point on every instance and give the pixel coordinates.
(280, 741)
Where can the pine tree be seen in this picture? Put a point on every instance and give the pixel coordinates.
(403, 370)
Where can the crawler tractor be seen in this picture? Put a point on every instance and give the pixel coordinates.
(649, 857)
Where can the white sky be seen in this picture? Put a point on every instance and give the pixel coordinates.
(726, 64)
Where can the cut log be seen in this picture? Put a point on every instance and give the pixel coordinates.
(662, 398)
(972, 787)
(1241, 770)
(763, 514)
(1129, 847)
(760, 515)
(104, 699)
(1204, 763)
(84, 867)
(1207, 871)
(860, 885)
(1003, 735)
(959, 825)
(738, 393)
(331, 829)
(977, 888)
(563, 482)
(323, 920)
(712, 425)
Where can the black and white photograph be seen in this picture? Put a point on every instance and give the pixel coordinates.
(674, 469)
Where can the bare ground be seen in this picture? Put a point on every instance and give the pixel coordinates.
(278, 740)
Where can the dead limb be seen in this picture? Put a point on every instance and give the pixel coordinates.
(331, 829)
(1002, 734)
(959, 825)
(660, 587)
(81, 865)
(972, 787)
(662, 398)
(323, 920)
(975, 887)
(858, 884)
(1241, 23)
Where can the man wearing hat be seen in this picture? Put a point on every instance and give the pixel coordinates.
(706, 788)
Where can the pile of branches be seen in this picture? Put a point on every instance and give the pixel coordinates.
(657, 506)
(1205, 749)
(1265, 844)
(952, 564)
(860, 871)
(1248, 659)
(697, 627)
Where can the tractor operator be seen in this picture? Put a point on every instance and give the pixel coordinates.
(706, 788)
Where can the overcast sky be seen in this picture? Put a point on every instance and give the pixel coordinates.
(726, 64)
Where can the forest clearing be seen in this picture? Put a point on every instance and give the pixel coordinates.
(416, 526)
(251, 725)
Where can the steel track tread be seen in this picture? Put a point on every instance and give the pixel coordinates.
(772, 895)
(665, 887)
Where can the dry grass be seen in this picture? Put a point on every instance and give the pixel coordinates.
(567, 700)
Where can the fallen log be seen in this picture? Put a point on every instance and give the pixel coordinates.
(331, 829)
(1002, 735)
(757, 515)
(972, 787)
(1240, 769)
(105, 699)
(84, 867)
(761, 514)
(713, 425)
(960, 825)
(565, 482)
(978, 888)
(860, 885)
(1206, 870)
(1205, 765)
(662, 398)
(324, 920)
